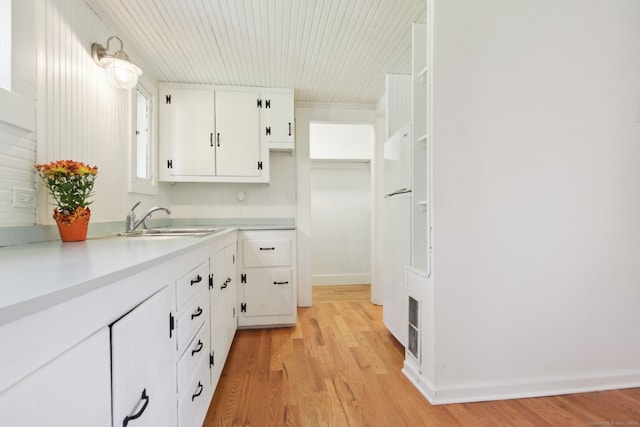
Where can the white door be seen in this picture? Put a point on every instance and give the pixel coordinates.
(397, 255)
(187, 122)
(237, 133)
(143, 358)
(71, 390)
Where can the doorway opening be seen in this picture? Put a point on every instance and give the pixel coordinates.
(341, 202)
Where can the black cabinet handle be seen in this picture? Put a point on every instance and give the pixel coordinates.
(140, 412)
(198, 392)
(198, 279)
(211, 139)
(226, 283)
(289, 128)
(280, 283)
(197, 349)
(218, 139)
(198, 313)
(267, 249)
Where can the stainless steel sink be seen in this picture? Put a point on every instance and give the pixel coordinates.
(168, 232)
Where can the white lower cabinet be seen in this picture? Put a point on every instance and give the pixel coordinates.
(71, 390)
(193, 336)
(223, 299)
(193, 403)
(143, 364)
(267, 293)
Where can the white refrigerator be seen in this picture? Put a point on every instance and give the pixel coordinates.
(397, 232)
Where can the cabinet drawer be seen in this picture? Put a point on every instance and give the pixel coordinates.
(197, 349)
(191, 283)
(267, 253)
(194, 402)
(191, 320)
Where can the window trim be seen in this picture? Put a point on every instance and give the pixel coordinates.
(136, 184)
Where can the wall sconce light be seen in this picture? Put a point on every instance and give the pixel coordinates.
(118, 66)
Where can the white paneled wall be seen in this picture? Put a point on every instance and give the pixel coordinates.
(398, 97)
(17, 153)
(220, 200)
(81, 115)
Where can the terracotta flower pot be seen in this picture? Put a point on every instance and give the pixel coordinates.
(73, 227)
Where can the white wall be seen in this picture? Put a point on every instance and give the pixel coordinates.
(17, 117)
(341, 141)
(536, 136)
(81, 115)
(340, 223)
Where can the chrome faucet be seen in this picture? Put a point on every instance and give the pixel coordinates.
(132, 224)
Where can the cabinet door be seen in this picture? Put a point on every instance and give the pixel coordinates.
(268, 292)
(231, 297)
(187, 131)
(143, 357)
(237, 137)
(71, 390)
(277, 116)
(217, 285)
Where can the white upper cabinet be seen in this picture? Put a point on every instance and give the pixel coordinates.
(187, 131)
(277, 118)
(214, 133)
(238, 127)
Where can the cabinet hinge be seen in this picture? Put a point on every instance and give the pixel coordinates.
(172, 324)
(169, 164)
(211, 359)
(211, 281)
(259, 166)
(243, 278)
(167, 99)
(267, 131)
(259, 103)
(267, 103)
(243, 307)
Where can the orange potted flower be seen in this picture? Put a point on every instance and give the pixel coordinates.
(70, 183)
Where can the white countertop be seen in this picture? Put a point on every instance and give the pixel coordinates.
(40, 275)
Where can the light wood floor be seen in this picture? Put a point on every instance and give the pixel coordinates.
(341, 367)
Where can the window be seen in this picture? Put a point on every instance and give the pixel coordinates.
(142, 135)
(142, 150)
(5, 45)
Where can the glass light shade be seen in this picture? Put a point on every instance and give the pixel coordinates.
(124, 73)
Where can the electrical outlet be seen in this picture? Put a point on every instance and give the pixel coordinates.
(23, 198)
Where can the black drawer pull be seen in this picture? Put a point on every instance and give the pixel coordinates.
(289, 128)
(197, 349)
(140, 412)
(280, 283)
(267, 249)
(198, 313)
(199, 392)
(198, 279)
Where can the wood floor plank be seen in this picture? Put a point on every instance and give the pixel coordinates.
(340, 366)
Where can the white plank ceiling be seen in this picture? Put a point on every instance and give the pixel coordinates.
(329, 51)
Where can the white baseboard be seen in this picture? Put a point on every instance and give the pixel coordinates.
(481, 393)
(341, 279)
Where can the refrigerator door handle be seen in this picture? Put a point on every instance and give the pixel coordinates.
(399, 191)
